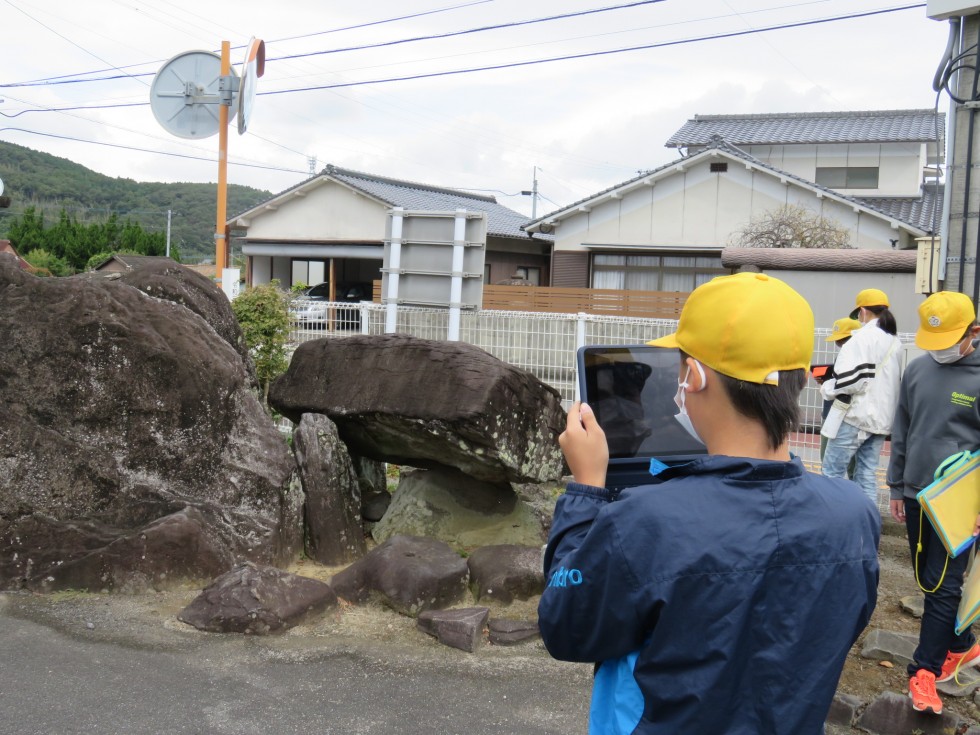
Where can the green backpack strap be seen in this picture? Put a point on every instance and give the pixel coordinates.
(951, 463)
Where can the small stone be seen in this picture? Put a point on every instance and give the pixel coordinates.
(913, 605)
(886, 664)
(90, 626)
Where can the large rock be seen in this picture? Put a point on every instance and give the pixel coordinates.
(506, 573)
(428, 404)
(447, 505)
(133, 452)
(257, 600)
(173, 282)
(406, 573)
(334, 534)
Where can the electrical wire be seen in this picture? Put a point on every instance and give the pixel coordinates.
(512, 24)
(593, 54)
(65, 38)
(533, 62)
(148, 150)
(43, 80)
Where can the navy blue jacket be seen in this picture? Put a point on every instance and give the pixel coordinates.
(721, 599)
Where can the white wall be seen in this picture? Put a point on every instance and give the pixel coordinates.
(695, 208)
(900, 165)
(323, 211)
(831, 294)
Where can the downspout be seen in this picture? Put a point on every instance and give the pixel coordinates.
(953, 46)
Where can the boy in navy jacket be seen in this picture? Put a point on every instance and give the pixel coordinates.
(723, 596)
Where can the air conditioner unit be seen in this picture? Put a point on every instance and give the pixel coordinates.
(943, 9)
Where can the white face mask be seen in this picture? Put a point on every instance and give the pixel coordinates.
(950, 354)
(680, 399)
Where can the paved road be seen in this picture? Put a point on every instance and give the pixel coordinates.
(62, 673)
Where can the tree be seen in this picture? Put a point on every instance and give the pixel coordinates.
(264, 318)
(47, 264)
(27, 231)
(792, 226)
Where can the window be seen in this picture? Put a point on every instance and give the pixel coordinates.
(310, 272)
(529, 274)
(847, 177)
(674, 272)
(719, 168)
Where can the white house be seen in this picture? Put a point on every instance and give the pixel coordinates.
(331, 228)
(665, 229)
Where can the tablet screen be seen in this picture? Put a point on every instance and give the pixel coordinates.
(631, 390)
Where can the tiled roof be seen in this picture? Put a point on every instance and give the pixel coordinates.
(411, 195)
(873, 126)
(917, 211)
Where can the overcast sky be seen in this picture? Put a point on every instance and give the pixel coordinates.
(585, 123)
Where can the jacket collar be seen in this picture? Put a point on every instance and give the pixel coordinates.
(736, 468)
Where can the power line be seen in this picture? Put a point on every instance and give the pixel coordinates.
(55, 80)
(512, 24)
(148, 150)
(533, 62)
(65, 38)
(592, 54)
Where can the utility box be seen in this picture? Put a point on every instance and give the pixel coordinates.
(943, 9)
(927, 265)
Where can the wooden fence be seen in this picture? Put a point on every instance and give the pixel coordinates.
(598, 301)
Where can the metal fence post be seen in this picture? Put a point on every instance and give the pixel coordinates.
(456, 283)
(394, 269)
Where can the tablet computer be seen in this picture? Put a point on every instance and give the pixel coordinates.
(631, 389)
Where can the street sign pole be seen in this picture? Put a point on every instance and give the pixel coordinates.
(220, 244)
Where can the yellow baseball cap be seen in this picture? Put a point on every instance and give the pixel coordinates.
(869, 297)
(843, 328)
(943, 318)
(748, 326)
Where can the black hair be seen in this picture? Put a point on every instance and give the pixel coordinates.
(776, 407)
(966, 332)
(886, 320)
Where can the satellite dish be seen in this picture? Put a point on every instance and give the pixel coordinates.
(185, 95)
(252, 69)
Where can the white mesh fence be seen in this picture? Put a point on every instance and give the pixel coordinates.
(546, 345)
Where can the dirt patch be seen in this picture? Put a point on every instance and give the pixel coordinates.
(150, 620)
(867, 679)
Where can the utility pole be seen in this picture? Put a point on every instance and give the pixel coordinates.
(312, 161)
(533, 193)
(960, 235)
(169, 212)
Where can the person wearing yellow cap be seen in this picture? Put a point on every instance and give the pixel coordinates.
(841, 334)
(938, 415)
(864, 389)
(714, 582)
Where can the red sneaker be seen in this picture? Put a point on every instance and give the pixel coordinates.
(922, 692)
(958, 661)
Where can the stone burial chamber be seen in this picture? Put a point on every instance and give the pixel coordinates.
(428, 404)
(133, 452)
(482, 434)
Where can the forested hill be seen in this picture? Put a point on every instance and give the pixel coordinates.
(50, 184)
